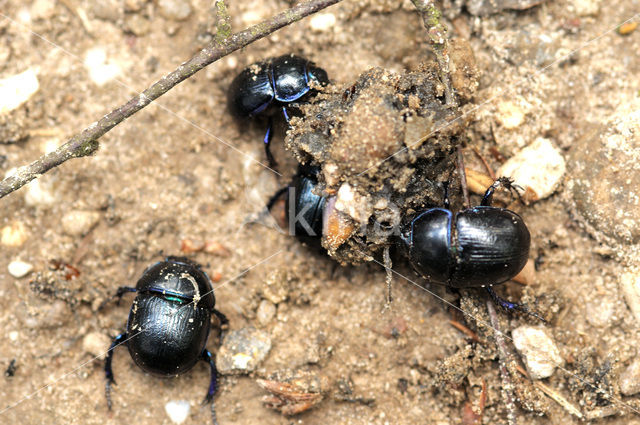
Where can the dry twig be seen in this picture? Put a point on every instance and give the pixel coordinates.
(437, 35)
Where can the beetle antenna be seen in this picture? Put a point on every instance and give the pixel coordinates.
(505, 182)
(516, 188)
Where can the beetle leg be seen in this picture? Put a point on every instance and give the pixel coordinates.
(213, 384)
(508, 305)
(267, 143)
(275, 197)
(221, 317)
(505, 182)
(284, 112)
(123, 290)
(223, 322)
(488, 195)
(107, 366)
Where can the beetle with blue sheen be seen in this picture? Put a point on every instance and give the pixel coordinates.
(273, 84)
(169, 323)
(479, 246)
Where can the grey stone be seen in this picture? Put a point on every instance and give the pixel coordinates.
(606, 171)
(242, 351)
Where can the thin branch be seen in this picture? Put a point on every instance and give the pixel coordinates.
(86, 142)
(437, 35)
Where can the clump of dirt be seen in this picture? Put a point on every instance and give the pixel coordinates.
(383, 146)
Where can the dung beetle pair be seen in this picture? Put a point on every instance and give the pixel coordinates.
(479, 246)
(275, 82)
(169, 323)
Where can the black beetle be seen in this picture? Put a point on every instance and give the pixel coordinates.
(476, 247)
(276, 82)
(169, 322)
(304, 210)
(305, 215)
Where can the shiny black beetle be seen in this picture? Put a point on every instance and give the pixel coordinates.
(273, 82)
(476, 247)
(304, 209)
(305, 215)
(169, 322)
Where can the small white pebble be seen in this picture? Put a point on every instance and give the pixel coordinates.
(509, 114)
(178, 410)
(14, 234)
(539, 166)
(24, 16)
(540, 354)
(100, 71)
(50, 145)
(17, 89)
(250, 18)
(18, 268)
(40, 193)
(350, 202)
(43, 9)
(79, 223)
(231, 62)
(586, 7)
(13, 335)
(322, 22)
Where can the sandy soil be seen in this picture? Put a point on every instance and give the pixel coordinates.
(184, 169)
